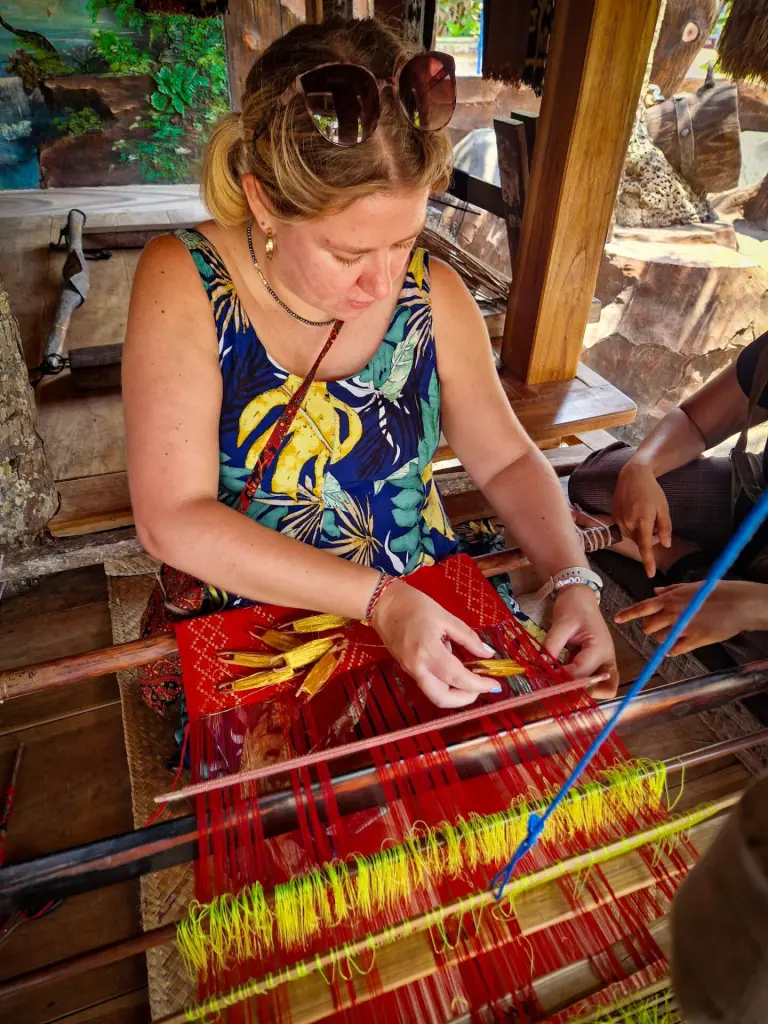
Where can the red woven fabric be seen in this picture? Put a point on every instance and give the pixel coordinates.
(456, 583)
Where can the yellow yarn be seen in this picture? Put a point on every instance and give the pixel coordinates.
(657, 1009)
(236, 927)
(625, 1014)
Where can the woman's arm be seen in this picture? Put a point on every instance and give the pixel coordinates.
(713, 414)
(172, 393)
(487, 437)
(640, 507)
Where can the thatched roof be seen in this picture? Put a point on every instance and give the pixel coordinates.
(743, 47)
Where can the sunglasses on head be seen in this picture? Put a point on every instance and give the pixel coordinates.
(344, 100)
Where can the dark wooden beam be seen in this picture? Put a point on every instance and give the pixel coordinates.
(477, 192)
(530, 122)
(96, 366)
(512, 149)
(595, 70)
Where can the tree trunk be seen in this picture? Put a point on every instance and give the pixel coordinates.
(756, 210)
(28, 497)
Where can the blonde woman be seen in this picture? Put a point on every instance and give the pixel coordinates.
(318, 191)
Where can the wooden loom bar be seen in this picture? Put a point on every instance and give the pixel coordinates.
(425, 921)
(160, 936)
(472, 714)
(595, 70)
(119, 858)
(20, 682)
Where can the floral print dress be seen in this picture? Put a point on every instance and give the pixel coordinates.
(354, 473)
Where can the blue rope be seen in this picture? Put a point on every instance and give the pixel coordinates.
(732, 550)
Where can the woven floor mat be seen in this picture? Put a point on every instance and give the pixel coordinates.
(149, 742)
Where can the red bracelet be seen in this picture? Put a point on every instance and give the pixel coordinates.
(384, 581)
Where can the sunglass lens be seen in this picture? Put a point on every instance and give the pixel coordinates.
(343, 101)
(428, 90)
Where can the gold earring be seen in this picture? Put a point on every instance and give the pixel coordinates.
(269, 245)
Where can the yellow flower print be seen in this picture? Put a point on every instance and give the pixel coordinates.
(416, 269)
(313, 434)
(433, 511)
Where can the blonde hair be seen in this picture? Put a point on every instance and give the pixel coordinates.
(302, 174)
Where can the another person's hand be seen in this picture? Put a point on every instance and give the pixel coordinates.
(418, 632)
(578, 625)
(734, 606)
(641, 509)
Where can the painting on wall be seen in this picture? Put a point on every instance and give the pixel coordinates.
(107, 92)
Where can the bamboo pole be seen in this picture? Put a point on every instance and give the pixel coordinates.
(431, 918)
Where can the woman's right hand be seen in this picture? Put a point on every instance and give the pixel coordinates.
(641, 510)
(418, 633)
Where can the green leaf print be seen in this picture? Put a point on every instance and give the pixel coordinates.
(406, 517)
(430, 415)
(205, 269)
(409, 543)
(402, 364)
(231, 477)
(408, 499)
(330, 528)
(377, 371)
(269, 517)
(334, 495)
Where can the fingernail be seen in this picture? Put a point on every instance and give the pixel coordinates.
(488, 650)
(496, 689)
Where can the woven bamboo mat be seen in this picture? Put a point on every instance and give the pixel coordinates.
(149, 742)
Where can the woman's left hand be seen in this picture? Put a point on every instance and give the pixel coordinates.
(734, 605)
(577, 624)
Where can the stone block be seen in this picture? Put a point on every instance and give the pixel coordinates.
(674, 314)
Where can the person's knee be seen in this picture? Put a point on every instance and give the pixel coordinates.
(591, 484)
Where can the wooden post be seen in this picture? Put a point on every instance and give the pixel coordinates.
(512, 148)
(595, 71)
(348, 8)
(28, 497)
(249, 27)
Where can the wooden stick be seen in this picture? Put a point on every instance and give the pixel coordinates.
(468, 904)
(77, 667)
(73, 669)
(361, 746)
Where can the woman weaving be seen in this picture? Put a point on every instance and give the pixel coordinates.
(308, 280)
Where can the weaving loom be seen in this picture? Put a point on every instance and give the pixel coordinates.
(346, 830)
(373, 860)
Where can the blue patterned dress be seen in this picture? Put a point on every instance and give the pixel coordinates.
(354, 474)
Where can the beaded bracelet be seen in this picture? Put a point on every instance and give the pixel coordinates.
(384, 581)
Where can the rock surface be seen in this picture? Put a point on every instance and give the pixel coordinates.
(674, 314)
(79, 160)
(28, 498)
